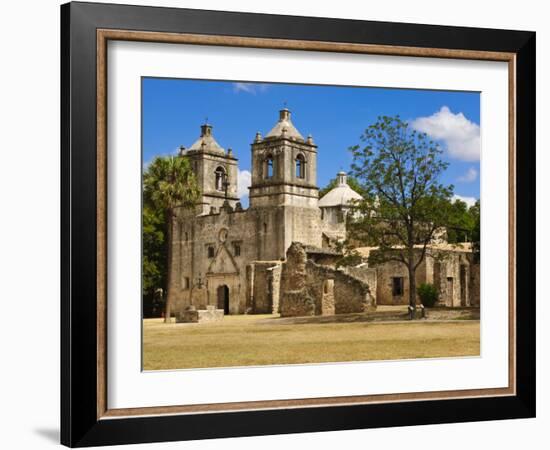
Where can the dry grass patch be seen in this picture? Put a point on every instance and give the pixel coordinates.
(259, 340)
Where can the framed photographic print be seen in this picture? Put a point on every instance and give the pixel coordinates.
(276, 224)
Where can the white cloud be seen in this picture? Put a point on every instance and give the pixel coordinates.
(249, 88)
(470, 201)
(244, 179)
(460, 135)
(469, 176)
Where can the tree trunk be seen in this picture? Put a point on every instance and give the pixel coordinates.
(412, 282)
(412, 287)
(412, 272)
(169, 293)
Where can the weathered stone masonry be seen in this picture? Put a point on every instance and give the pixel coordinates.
(450, 268)
(308, 288)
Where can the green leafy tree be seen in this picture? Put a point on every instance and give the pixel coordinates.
(475, 212)
(463, 222)
(460, 224)
(154, 259)
(168, 184)
(352, 182)
(405, 203)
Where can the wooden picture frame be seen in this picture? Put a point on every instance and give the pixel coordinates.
(85, 416)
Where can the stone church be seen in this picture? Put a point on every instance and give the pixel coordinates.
(239, 260)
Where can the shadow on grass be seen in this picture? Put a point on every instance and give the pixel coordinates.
(436, 314)
(337, 318)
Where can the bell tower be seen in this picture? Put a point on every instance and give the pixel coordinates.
(215, 169)
(284, 167)
(284, 193)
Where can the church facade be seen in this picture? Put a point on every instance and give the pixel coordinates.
(225, 255)
(230, 257)
(233, 259)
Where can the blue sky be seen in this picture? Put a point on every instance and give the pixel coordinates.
(174, 109)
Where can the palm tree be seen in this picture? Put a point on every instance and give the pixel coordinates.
(169, 183)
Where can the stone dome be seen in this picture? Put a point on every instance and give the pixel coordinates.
(206, 142)
(341, 195)
(284, 127)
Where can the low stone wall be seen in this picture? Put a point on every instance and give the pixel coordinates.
(192, 315)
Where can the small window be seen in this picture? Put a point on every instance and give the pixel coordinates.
(220, 178)
(237, 248)
(269, 167)
(210, 251)
(300, 166)
(397, 286)
(186, 236)
(185, 283)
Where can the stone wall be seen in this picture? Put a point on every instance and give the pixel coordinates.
(302, 225)
(351, 295)
(333, 224)
(195, 296)
(328, 300)
(323, 256)
(451, 277)
(276, 272)
(475, 285)
(268, 236)
(308, 288)
(365, 274)
(295, 298)
(386, 272)
(266, 286)
(215, 249)
(449, 271)
(297, 303)
(210, 251)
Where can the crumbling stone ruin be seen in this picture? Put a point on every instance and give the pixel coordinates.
(309, 288)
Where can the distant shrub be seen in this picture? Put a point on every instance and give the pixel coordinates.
(428, 294)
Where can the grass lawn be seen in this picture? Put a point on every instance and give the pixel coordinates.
(261, 340)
